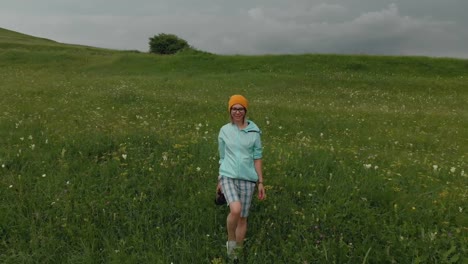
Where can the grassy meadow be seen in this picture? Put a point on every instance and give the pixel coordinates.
(111, 156)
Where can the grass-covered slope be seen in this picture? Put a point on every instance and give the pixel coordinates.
(111, 156)
(18, 41)
(13, 37)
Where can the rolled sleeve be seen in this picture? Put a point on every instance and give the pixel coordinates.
(257, 148)
(221, 147)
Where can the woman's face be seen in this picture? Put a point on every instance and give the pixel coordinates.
(237, 113)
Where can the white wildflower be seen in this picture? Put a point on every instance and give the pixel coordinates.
(367, 166)
(453, 169)
(460, 209)
(198, 168)
(44, 175)
(124, 156)
(435, 167)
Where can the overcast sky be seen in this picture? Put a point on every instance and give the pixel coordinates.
(436, 28)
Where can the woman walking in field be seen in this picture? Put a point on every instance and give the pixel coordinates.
(240, 151)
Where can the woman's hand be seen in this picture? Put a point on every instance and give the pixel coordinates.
(261, 192)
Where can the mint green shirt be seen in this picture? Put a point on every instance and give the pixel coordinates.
(238, 148)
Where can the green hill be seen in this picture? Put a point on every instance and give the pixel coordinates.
(111, 156)
(193, 62)
(14, 40)
(12, 37)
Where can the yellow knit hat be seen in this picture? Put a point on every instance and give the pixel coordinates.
(238, 99)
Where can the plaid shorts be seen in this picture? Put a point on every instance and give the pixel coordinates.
(238, 190)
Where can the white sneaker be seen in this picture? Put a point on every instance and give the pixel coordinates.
(231, 246)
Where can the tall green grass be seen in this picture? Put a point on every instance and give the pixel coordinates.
(111, 157)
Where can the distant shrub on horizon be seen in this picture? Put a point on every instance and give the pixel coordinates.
(167, 44)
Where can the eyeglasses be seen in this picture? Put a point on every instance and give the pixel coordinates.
(239, 110)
